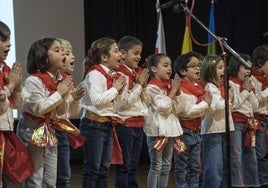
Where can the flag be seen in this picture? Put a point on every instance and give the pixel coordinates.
(211, 27)
(160, 46)
(187, 41)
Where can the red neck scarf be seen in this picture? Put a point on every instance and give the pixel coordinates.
(110, 79)
(47, 80)
(130, 74)
(162, 85)
(260, 77)
(237, 81)
(194, 89)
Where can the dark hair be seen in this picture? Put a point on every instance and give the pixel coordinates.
(154, 60)
(4, 32)
(127, 42)
(98, 48)
(209, 69)
(260, 56)
(234, 64)
(181, 62)
(37, 59)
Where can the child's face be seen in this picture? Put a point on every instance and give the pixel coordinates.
(4, 49)
(113, 61)
(243, 72)
(264, 68)
(56, 58)
(163, 70)
(69, 60)
(132, 57)
(193, 70)
(220, 70)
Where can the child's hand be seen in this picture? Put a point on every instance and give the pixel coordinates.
(231, 94)
(79, 92)
(207, 98)
(2, 96)
(143, 77)
(14, 78)
(247, 84)
(120, 84)
(65, 86)
(176, 84)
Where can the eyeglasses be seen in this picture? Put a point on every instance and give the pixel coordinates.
(194, 66)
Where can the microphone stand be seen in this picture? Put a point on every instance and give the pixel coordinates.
(226, 86)
(222, 41)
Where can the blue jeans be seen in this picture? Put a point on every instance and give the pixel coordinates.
(97, 153)
(244, 168)
(261, 151)
(130, 139)
(160, 164)
(63, 166)
(187, 165)
(214, 151)
(44, 159)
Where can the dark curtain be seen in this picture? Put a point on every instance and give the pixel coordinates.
(242, 22)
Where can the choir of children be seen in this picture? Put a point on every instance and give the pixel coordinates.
(182, 116)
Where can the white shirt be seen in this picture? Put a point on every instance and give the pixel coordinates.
(214, 121)
(6, 112)
(162, 114)
(262, 96)
(97, 98)
(135, 100)
(37, 100)
(244, 102)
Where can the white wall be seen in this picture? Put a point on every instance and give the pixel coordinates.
(36, 19)
(7, 16)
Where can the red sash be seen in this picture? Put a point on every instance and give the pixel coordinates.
(135, 121)
(75, 139)
(16, 163)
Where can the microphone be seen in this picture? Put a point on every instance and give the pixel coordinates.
(170, 3)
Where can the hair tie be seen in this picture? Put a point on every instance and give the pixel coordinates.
(90, 53)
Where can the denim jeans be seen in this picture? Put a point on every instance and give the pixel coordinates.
(261, 151)
(97, 153)
(160, 164)
(187, 165)
(44, 159)
(214, 152)
(244, 168)
(130, 139)
(45, 163)
(63, 166)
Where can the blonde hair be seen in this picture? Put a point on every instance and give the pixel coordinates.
(65, 43)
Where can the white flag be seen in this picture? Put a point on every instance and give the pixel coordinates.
(160, 46)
